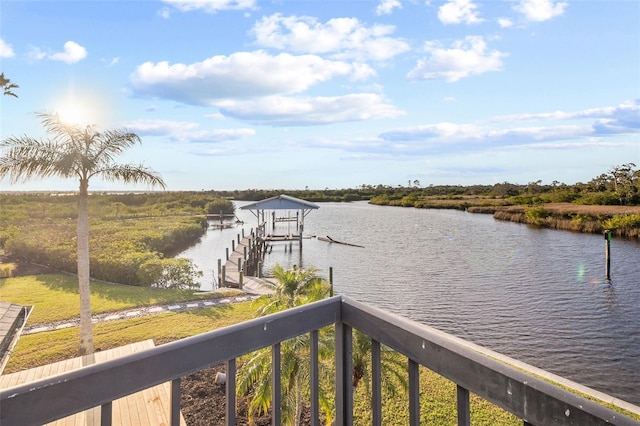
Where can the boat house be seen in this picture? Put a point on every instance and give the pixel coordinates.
(281, 209)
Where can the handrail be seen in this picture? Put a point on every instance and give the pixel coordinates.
(528, 397)
(53, 398)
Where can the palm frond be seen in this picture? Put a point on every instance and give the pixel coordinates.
(129, 173)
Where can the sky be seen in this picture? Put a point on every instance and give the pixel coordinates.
(295, 94)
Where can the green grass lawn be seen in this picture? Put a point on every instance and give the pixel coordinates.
(43, 348)
(55, 297)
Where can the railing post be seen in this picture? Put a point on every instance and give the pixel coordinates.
(344, 368)
(315, 393)
(376, 383)
(175, 403)
(105, 414)
(276, 385)
(464, 409)
(230, 391)
(414, 393)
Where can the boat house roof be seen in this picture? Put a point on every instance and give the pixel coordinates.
(281, 202)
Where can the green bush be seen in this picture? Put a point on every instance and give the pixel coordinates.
(604, 198)
(622, 221)
(177, 273)
(536, 215)
(218, 205)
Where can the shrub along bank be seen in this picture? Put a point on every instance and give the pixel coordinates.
(127, 251)
(623, 221)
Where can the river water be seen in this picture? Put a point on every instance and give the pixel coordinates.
(536, 295)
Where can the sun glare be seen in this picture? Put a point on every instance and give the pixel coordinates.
(75, 112)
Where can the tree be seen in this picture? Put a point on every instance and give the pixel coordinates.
(293, 288)
(81, 153)
(623, 181)
(7, 86)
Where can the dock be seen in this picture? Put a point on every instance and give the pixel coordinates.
(149, 407)
(242, 268)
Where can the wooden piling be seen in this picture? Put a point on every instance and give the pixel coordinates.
(607, 255)
(331, 281)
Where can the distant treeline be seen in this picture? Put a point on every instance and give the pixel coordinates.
(618, 186)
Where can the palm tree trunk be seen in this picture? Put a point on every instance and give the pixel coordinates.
(298, 401)
(86, 328)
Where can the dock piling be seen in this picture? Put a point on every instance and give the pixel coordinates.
(607, 255)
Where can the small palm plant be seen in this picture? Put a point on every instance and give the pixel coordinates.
(293, 288)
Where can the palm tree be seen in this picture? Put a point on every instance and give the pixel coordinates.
(81, 153)
(294, 287)
(7, 86)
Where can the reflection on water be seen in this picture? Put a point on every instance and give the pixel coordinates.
(537, 295)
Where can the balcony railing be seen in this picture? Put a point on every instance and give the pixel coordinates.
(531, 399)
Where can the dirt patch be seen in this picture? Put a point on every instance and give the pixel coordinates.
(203, 402)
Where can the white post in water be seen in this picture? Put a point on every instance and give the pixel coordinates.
(607, 255)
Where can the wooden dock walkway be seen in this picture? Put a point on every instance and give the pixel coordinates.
(250, 284)
(148, 407)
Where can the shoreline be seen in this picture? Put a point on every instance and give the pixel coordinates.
(622, 221)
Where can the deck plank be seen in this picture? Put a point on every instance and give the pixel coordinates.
(148, 407)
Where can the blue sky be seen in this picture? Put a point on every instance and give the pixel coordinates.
(237, 94)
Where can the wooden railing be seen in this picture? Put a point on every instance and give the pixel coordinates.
(533, 400)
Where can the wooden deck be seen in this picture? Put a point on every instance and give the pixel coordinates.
(147, 407)
(12, 319)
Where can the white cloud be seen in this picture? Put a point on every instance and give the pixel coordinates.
(385, 7)
(459, 11)
(540, 10)
(564, 133)
(465, 58)
(505, 22)
(342, 38)
(164, 13)
(6, 51)
(111, 62)
(187, 132)
(621, 119)
(211, 6)
(73, 53)
(213, 136)
(444, 131)
(35, 53)
(159, 127)
(240, 75)
(292, 111)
